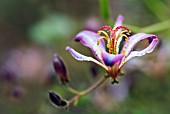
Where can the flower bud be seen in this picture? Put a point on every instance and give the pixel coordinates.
(63, 103)
(60, 68)
(57, 100)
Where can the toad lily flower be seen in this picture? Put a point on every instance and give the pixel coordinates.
(109, 55)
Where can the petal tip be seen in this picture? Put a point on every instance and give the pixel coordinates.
(77, 38)
(67, 47)
(120, 17)
(81, 34)
(119, 21)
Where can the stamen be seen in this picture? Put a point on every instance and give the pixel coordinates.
(106, 37)
(125, 32)
(119, 36)
(103, 32)
(122, 35)
(115, 39)
(101, 37)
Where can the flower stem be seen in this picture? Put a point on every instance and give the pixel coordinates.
(88, 90)
(72, 90)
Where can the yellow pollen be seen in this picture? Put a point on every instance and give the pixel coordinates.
(105, 33)
(101, 37)
(106, 36)
(112, 40)
(121, 34)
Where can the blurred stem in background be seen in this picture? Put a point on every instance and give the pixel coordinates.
(158, 8)
(105, 10)
(154, 28)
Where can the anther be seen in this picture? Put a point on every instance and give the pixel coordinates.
(116, 37)
(101, 37)
(103, 32)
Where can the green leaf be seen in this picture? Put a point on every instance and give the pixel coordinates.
(158, 8)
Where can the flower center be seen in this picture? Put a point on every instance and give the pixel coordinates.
(113, 37)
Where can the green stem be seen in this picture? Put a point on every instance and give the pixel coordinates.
(105, 9)
(93, 87)
(72, 90)
(151, 28)
(156, 27)
(88, 90)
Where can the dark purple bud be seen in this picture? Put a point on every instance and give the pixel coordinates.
(60, 68)
(63, 103)
(57, 100)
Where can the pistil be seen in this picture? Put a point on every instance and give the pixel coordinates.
(113, 38)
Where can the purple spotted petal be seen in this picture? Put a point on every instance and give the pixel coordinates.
(81, 57)
(119, 21)
(149, 49)
(89, 39)
(133, 40)
(110, 59)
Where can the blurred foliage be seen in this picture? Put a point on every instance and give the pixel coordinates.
(104, 9)
(53, 28)
(47, 26)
